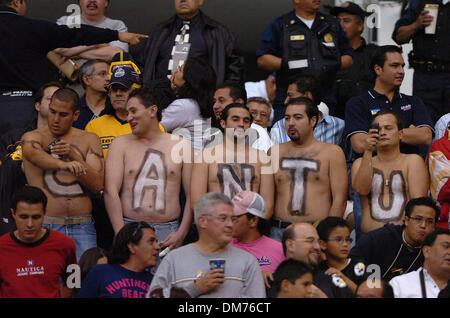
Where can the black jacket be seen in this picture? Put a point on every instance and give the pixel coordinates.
(385, 248)
(24, 44)
(223, 50)
(11, 175)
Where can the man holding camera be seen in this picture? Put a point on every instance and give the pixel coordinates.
(388, 65)
(387, 181)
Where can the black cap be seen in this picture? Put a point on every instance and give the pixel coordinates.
(351, 8)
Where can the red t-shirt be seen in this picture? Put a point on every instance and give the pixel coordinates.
(34, 270)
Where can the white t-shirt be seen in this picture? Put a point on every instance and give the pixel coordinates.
(308, 23)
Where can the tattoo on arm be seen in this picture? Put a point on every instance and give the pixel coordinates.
(35, 144)
(99, 156)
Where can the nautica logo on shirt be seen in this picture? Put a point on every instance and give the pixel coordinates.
(30, 269)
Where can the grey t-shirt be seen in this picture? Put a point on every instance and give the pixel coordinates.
(182, 266)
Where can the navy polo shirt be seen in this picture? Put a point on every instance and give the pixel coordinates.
(360, 109)
(86, 114)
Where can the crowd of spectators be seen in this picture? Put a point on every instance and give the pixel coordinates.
(158, 171)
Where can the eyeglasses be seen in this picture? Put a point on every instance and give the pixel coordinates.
(341, 240)
(261, 114)
(308, 240)
(101, 74)
(420, 220)
(224, 218)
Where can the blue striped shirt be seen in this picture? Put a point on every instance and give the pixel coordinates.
(329, 129)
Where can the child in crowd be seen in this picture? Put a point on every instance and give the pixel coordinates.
(335, 242)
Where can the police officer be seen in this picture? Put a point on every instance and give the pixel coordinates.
(359, 78)
(430, 57)
(24, 44)
(304, 42)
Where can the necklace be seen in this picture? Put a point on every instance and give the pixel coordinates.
(406, 243)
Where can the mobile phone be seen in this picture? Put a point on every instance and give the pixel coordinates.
(375, 126)
(48, 149)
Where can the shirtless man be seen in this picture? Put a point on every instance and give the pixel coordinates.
(233, 166)
(144, 174)
(67, 164)
(311, 178)
(387, 181)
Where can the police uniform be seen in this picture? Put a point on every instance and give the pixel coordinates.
(304, 51)
(359, 78)
(430, 57)
(24, 45)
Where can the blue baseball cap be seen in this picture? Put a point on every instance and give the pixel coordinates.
(125, 76)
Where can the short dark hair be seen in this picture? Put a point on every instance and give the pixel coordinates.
(431, 238)
(398, 119)
(130, 233)
(226, 110)
(236, 91)
(380, 56)
(149, 97)
(200, 81)
(5, 2)
(290, 269)
(30, 195)
(426, 201)
(387, 290)
(311, 108)
(89, 259)
(327, 225)
(67, 95)
(41, 90)
(310, 84)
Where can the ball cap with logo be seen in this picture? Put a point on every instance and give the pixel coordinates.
(350, 7)
(249, 202)
(125, 76)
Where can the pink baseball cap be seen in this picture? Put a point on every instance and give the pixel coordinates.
(249, 202)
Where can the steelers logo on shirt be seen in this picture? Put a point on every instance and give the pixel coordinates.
(339, 282)
(359, 269)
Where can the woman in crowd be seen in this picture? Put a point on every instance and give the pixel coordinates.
(193, 84)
